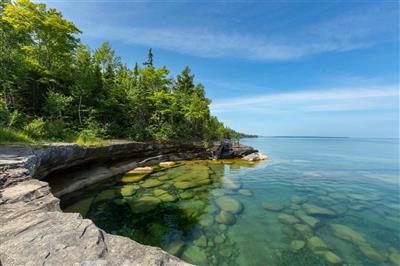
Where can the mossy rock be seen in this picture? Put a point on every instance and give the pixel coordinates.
(245, 192)
(270, 206)
(128, 190)
(288, 219)
(185, 184)
(296, 245)
(230, 184)
(144, 204)
(297, 199)
(305, 230)
(394, 258)
(218, 192)
(167, 197)
(371, 253)
(105, 195)
(311, 221)
(229, 204)
(219, 239)
(318, 211)
(195, 255)
(201, 241)
(151, 183)
(206, 220)
(186, 195)
(225, 218)
(158, 192)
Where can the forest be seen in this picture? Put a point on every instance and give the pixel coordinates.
(55, 88)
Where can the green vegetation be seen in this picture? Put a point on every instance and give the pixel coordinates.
(53, 87)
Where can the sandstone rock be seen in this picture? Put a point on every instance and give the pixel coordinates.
(151, 183)
(270, 206)
(141, 170)
(256, 156)
(318, 211)
(229, 204)
(81, 206)
(225, 218)
(296, 245)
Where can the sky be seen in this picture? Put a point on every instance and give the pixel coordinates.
(276, 68)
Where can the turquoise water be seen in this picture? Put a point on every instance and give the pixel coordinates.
(316, 201)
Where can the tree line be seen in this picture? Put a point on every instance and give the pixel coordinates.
(55, 87)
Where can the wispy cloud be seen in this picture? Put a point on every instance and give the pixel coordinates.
(321, 100)
(343, 33)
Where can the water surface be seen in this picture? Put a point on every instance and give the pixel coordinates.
(316, 201)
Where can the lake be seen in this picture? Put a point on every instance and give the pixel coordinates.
(315, 201)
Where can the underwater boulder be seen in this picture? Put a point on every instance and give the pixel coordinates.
(225, 218)
(296, 245)
(230, 184)
(175, 248)
(346, 233)
(186, 195)
(311, 221)
(245, 192)
(151, 183)
(166, 197)
(371, 253)
(82, 206)
(318, 211)
(305, 230)
(316, 244)
(288, 219)
(297, 199)
(128, 190)
(132, 177)
(270, 206)
(229, 204)
(332, 257)
(144, 204)
(166, 164)
(195, 255)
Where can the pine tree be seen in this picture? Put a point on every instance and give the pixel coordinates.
(149, 62)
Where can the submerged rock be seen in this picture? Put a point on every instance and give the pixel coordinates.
(195, 255)
(297, 199)
(218, 192)
(144, 204)
(201, 241)
(140, 170)
(132, 177)
(296, 245)
(231, 184)
(316, 244)
(82, 206)
(105, 195)
(175, 248)
(159, 192)
(288, 219)
(319, 211)
(186, 195)
(255, 156)
(332, 257)
(371, 253)
(229, 204)
(206, 220)
(311, 221)
(305, 230)
(128, 190)
(246, 192)
(275, 207)
(219, 239)
(186, 184)
(225, 218)
(346, 233)
(394, 258)
(166, 197)
(151, 183)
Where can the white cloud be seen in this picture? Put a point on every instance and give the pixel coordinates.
(321, 100)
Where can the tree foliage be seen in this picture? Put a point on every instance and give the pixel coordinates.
(56, 85)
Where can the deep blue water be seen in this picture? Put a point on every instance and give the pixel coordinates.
(315, 201)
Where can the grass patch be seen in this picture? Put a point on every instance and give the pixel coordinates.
(8, 136)
(88, 138)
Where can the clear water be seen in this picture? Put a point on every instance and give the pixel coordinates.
(314, 202)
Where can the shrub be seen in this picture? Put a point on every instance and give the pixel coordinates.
(11, 135)
(36, 128)
(88, 138)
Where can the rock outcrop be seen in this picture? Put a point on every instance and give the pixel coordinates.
(34, 231)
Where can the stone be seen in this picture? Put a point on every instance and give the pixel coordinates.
(311, 221)
(225, 252)
(128, 190)
(166, 164)
(105, 195)
(195, 255)
(201, 241)
(245, 192)
(82, 206)
(167, 198)
(222, 227)
(305, 230)
(371, 253)
(186, 195)
(218, 192)
(288, 219)
(230, 184)
(206, 220)
(151, 183)
(186, 184)
(229, 204)
(296, 245)
(158, 192)
(175, 248)
(192, 208)
(275, 207)
(332, 257)
(219, 239)
(144, 204)
(346, 233)
(225, 218)
(318, 211)
(297, 199)
(316, 244)
(141, 170)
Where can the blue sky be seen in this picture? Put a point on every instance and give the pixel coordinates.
(327, 68)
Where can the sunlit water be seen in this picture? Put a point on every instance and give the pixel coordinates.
(314, 202)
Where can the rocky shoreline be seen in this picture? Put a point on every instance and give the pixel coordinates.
(34, 229)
